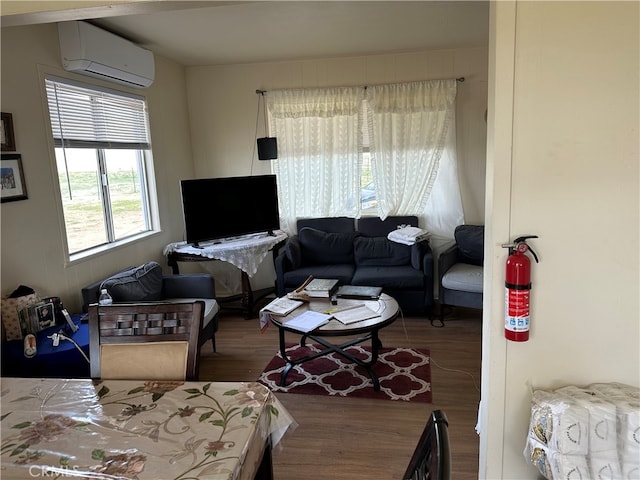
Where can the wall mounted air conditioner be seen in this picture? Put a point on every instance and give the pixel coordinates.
(89, 50)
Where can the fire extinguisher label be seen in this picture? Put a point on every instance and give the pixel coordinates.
(516, 315)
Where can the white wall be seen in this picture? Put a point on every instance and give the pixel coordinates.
(565, 131)
(223, 106)
(32, 233)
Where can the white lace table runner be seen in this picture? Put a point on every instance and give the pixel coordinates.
(246, 253)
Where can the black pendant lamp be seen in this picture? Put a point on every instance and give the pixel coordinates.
(267, 146)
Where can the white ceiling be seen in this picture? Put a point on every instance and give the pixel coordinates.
(218, 32)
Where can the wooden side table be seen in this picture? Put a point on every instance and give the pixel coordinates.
(246, 253)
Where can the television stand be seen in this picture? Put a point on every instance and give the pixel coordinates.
(245, 253)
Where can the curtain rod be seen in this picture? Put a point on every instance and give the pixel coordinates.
(262, 92)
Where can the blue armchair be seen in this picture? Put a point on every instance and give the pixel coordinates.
(460, 270)
(146, 283)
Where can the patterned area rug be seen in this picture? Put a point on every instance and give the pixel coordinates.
(404, 374)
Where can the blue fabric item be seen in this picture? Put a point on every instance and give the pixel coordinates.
(400, 277)
(470, 241)
(328, 224)
(292, 250)
(139, 284)
(379, 251)
(322, 248)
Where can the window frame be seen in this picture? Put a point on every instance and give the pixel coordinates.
(144, 158)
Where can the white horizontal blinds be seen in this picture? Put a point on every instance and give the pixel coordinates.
(96, 118)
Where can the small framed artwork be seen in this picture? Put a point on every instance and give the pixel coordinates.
(44, 315)
(7, 139)
(12, 184)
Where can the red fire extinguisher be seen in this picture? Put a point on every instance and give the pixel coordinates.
(517, 290)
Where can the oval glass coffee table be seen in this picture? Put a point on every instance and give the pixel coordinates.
(387, 309)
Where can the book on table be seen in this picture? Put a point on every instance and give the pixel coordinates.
(360, 292)
(282, 306)
(307, 321)
(321, 287)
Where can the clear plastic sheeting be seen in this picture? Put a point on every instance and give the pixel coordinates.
(134, 429)
(582, 433)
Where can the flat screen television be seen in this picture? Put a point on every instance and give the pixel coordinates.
(218, 208)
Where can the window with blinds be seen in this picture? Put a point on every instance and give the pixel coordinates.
(103, 157)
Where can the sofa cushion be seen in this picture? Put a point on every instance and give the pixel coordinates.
(470, 241)
(138, 284)
(389, 278)
(327, 224)
(342, 272)
(464, 277)
(211, 307)
(379, 251)
(321, 248)
(376, 227)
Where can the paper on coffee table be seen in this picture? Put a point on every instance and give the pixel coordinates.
(355, 314)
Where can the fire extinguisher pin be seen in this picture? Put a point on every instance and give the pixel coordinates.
(520, 244)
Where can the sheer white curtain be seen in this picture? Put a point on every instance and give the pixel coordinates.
(319, 147)
(409, 126)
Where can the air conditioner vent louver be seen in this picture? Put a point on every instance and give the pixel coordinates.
(89, 50)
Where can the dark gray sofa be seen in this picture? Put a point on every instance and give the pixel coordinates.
(357, 252)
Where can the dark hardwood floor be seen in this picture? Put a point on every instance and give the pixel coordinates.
(351, 438)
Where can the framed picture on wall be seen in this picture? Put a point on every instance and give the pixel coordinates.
(12, 184)
(7, 139)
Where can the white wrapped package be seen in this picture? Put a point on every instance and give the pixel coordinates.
(630, 468)
(591, 432)
(602, 418)
(616, 390)
(541, 423)
(570, 426)
(559, 422)
(573, 467)
(629, 431)
(538, 454)
(605, 466)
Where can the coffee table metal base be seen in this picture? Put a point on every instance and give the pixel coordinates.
(376, 345)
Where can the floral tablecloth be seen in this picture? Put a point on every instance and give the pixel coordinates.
(246, 253)
(59, 428)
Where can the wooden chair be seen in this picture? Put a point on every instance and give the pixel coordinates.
(432, 457)
(145, 341)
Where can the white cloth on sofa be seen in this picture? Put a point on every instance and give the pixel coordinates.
(408, 235)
